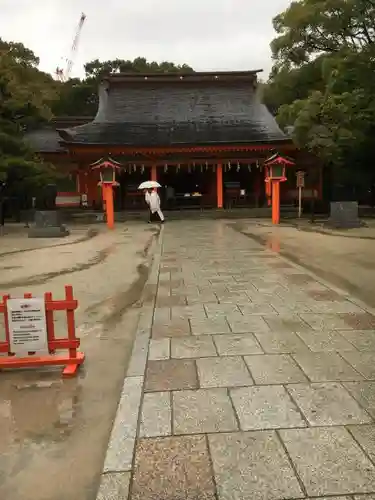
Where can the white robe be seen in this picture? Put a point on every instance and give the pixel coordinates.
(154, 204)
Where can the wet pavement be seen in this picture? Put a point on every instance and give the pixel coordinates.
(345, 260)
(54, 432)
(250, 379)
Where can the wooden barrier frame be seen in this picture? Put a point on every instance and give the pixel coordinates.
(73, 359)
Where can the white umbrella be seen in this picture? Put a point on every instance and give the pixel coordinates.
(149, 185)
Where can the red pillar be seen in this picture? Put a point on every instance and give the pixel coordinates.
(109, 207)
(154, 174)
(81, 182)
(275, 202)
(219, 185)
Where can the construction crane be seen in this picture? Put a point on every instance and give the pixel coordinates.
(64, 75)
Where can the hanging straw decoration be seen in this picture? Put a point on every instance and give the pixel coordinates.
(143, 169)
(238, 166)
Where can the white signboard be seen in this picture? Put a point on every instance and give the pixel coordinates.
(27, 326)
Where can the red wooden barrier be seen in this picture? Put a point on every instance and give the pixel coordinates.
(72, 359)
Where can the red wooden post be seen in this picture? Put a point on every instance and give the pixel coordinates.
(154, 174)
(109, 208)
(275, 202)
(6, 321)
(49, 321)
(219, 185)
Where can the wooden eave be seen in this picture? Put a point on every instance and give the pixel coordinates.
(79, 149)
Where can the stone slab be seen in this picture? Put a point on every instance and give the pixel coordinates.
(325, 322)
(286, 323)
(325, 341)
(170, 301)
(159, 349)
(170, 375)
(327, 404)
(254, 308)
(326, 367)
(364, 340)
(48, 232)
(274, 369)
(223, 372)
(329, 461)
(178, 327)
(196, 312)
(213, 326)
(121, 444)
(359, 321)
(203, 411)
(363, 362)
(364, 393)
(156, 415)
(344, 215)
(237, 345)
(265, 407)
(114, 486)
(365, 436)
(173, 468)
(248, 324)
(281, 343)
(252, 465)
(290, 307)
(193, 347)
(217, 310)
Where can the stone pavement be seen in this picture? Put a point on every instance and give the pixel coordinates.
(259, 381)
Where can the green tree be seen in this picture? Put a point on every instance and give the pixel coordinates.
(310, 27)
(322, 81)
(96, 69)
(25, 98)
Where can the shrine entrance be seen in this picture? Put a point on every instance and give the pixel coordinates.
(187, 187)
(243, 186)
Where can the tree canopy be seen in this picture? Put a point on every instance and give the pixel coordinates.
(26, 95)
(322, 83)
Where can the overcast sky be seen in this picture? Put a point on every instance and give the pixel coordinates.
(206, 34)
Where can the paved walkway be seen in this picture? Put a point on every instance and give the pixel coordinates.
(259, 383)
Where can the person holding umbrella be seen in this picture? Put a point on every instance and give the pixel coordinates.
(153, 200)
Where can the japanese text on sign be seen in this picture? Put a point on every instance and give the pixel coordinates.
(27, 325)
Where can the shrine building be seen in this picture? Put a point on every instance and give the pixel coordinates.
(206, 135)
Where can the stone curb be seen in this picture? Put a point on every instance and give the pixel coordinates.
(116, 473)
